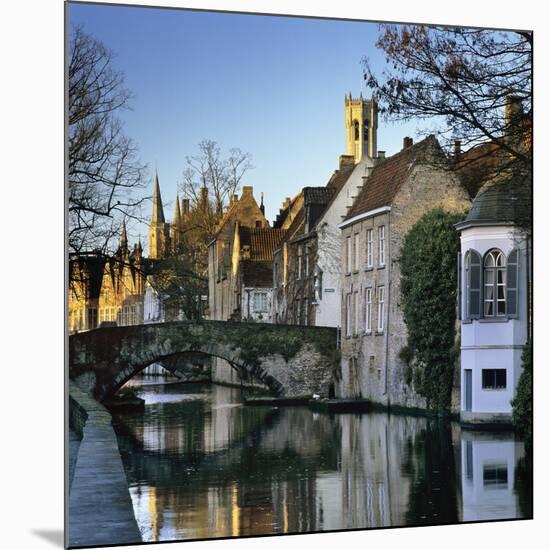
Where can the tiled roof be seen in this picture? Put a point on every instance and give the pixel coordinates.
(318, 195)
(262, 241)
(505, 199)
(388, 176)
(257, 273)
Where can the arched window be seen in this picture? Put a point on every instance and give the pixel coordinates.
(494, 284)
(472, 264)
(366, 131)
(356, 130)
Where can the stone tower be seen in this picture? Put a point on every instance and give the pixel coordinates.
(159, 230)
(361, 127)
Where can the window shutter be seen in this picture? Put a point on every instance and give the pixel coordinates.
(512, 283)
(474, 285)
(459, 285)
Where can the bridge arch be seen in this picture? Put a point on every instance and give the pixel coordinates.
(289, 360)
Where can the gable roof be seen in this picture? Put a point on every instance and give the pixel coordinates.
(388, 176)
(261, 240)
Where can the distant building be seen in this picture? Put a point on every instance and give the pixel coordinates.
(240, 268)
(107, 289)
(396, 193)
(307, 266)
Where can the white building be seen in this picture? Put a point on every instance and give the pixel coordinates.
(495, 277)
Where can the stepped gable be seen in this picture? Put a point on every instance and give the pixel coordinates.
(387, 177)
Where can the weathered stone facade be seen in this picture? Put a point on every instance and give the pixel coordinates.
(290, 361)
(396, 194)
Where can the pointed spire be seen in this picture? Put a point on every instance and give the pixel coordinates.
(124, 237)
(177, 213)
(262, 207)
(158, 212)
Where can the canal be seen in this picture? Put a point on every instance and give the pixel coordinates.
(200, 464)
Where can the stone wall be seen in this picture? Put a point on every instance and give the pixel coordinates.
(370, 365)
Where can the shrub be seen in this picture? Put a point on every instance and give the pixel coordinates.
(428, 291)
(522, 404)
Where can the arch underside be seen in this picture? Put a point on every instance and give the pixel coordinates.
(133, 368)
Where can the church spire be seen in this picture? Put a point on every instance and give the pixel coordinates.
(177, 213)
(124, 237)
(158, 212)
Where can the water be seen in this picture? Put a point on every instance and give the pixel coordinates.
(202, 465)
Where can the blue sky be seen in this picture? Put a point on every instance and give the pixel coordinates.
(272, 86)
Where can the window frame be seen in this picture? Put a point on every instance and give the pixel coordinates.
(494, 386)
(370, 248)
(381, 245)
(381, 302)
(368, 310)
(494, 270)
(348, 254)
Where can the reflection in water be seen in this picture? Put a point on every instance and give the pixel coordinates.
(202, 465)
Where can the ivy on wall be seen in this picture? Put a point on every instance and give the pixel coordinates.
(428, 293)
(523, 401)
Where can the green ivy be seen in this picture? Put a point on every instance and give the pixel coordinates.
(428, 291)
(522, 404)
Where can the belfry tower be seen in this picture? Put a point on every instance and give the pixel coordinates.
(159, 230)
(361, 127)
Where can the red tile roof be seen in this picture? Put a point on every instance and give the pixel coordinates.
(388, 176)
(261, 240)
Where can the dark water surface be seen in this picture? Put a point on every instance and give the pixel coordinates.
(202, 465)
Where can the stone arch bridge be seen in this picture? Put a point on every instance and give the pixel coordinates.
(290, 360)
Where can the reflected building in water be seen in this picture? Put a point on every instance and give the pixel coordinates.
(488, 476)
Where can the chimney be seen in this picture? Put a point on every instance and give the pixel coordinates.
(346, 161)
(186, 207)
(381, 155)
(513, 109)
(248, 191)
(457, 146)
(407, 142)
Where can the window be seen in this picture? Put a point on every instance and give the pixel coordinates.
(366, 131)
(348, 254)
(494, 284)
(493, 379)
(382, 245)
(381, 298)
(495, 476)
(306, 312)
(307, 262)
(369, 248)
(356, 313)
(260, 301)
(368, 310)
(356, 252)
(318, 284)
(356, 130)
(299, 264)
(348, 315)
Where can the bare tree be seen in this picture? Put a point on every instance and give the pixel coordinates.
(462, 79)
(220, 176)
(103, 169)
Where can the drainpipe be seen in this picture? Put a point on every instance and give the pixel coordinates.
(388, 299)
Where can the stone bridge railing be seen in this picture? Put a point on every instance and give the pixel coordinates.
(290, 360)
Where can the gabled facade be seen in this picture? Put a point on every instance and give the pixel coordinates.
(396, 193)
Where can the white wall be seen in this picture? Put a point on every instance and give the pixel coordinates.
(328, 310)
(493, 344)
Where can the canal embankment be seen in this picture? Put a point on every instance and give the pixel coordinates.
(100, 506)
